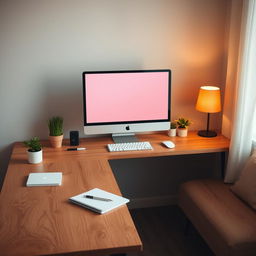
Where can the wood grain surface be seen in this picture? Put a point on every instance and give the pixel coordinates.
(97, 147)
(41, 221)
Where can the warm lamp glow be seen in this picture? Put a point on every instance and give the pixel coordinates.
(209, 99)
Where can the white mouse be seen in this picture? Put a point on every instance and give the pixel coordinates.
(169, 144)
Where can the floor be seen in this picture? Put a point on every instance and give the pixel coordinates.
(161, 230)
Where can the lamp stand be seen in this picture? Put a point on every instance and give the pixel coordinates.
(207, 133)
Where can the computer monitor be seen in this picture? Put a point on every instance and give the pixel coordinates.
(126, 102)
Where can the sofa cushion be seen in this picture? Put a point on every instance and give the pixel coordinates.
(224, 221)
(245, 187)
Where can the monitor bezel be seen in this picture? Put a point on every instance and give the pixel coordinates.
(127, 122)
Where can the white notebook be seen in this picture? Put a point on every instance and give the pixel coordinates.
(98, 205)
(44, 179)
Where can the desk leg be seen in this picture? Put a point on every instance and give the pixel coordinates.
(223, 163)
(187, 227)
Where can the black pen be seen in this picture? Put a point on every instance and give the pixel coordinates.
(98, 198)
(75, 149)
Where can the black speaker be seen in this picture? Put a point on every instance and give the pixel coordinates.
(74, 138)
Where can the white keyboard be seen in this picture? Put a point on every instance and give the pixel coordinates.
(130, 146)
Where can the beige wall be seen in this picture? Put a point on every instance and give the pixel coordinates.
(46, 44)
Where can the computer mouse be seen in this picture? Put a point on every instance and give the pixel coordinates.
(169, 144)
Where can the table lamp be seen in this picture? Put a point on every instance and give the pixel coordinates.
(208, 101)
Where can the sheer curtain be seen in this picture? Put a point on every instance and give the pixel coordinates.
(245, 104)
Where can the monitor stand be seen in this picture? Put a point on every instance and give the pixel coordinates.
(124, 137)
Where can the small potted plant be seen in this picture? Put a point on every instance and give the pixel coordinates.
(172, 131)
(35, 154)
(183, 126)
(55, 125)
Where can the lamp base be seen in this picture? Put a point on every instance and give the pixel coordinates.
(206, 133)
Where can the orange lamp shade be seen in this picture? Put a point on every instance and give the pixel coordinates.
(209, 99)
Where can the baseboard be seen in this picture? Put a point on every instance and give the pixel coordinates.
(152, 201)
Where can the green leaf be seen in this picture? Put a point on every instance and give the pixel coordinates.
(34, 144)
(55, 125)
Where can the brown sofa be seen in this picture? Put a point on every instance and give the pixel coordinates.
(227, 224)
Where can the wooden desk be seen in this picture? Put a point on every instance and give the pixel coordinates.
(40, 220)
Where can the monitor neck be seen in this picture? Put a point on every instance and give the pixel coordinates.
(124, 137)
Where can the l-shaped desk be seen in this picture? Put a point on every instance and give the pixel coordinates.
(41, 221)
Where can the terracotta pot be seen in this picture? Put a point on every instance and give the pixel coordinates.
(35, 157)
(182, 132)
(56, 141)
(172, 132)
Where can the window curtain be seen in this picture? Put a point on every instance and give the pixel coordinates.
(245, 101)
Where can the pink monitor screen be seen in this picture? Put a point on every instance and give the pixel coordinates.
(126, 96)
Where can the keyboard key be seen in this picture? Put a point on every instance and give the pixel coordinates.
(131, 146)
